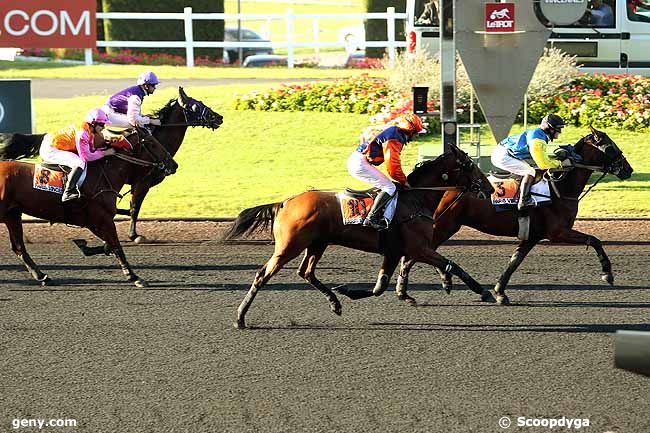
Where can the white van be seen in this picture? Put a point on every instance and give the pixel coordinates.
(620, 44)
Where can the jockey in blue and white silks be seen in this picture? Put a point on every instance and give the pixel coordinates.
(124, 107)
(511, 154)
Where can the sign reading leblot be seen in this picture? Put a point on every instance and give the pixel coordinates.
(499, 17)
(48, 24)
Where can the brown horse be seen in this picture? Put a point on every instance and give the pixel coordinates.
(94, 210)
(312, 220)
(175, 117)
(554, 222)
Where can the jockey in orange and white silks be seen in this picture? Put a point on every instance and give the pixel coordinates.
(124, 107)
(379, 145)
(75, 146)
(513, 152)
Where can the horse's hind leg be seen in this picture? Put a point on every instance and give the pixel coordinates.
(280, 257)
(518, 256)
(403, 279)
(307, 270)
(15, 227)
(385, 273)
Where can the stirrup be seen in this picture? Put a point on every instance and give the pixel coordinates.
(71, 196)
(377, 225)
(526, 204)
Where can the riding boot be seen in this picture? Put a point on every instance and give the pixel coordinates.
(375, 218)
(525, 200)
(71, 191)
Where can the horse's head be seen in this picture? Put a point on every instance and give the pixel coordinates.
(597, 149)
(152, 151)
(197, 113)
(453, 168)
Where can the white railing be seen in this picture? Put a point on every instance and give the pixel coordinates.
(290, 44)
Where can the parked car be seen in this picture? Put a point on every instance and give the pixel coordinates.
(231, 55)
(259, 60)
(354, 37)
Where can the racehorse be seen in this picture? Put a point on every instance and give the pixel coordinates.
(312, 220)
(95, 209)
(554, 222)
(175, 117)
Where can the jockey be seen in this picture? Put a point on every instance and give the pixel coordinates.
(124, 107)
(377, 145)
(75, 146)
(511, 154)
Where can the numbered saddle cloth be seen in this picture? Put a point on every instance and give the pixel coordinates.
(355, 207)
(48, 179)
(506, 192)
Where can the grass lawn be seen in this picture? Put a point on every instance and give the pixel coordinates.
(262, 157)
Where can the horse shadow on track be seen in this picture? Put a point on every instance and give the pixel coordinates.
(588, 328)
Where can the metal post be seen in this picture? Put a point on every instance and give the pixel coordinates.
(290, 38)
(189, 38)
(448, 75)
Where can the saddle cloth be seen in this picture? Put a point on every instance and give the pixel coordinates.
(506, 192)
(355, 209)
(52, 178)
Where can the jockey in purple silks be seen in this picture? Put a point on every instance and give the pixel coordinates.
(124, 107)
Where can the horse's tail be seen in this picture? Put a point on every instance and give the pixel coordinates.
(249, 220)
(17, 146)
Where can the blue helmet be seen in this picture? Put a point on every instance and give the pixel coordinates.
(148, 78)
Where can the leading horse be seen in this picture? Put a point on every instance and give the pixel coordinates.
(95, 209)
(554, 222)
(312, 220)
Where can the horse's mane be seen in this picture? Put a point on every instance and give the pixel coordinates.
(423, 167)
(164, 113)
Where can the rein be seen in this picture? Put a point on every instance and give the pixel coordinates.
(137, 161)
(462, 190)
(577, 165)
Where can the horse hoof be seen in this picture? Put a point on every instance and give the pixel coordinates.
(409, 300)
(487, 296)
(336, 308)
(378, 291)
(503, 300)
(447, 289)
(608, 278)
(240, 324)
(139, 240)
(45, 281)
(140, 283)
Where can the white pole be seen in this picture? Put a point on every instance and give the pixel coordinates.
(315, 31)
(390, 28)
(290, 38)
(189, 37)
(88, 56)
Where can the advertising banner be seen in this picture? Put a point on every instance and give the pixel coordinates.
(48, 24)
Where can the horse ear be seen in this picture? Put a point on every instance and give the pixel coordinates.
(181, 94)
(593, 130)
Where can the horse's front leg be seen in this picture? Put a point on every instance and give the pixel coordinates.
(138, 194)
(517, 257)
(385, 273)
(575, 237)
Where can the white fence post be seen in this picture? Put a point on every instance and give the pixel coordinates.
(290, 38)
(88, 56)
(316, 31)
(189, 37)
(390, 26)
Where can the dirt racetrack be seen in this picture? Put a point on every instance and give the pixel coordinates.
(167, 359)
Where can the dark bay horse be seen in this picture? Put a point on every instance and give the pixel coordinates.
(95, 210)
(312, 220)
(554, 222)
(175, 117)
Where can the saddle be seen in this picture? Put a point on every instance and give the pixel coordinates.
(362, 193)
(55, 167)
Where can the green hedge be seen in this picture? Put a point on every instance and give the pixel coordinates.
(376, 29)
(163, 30)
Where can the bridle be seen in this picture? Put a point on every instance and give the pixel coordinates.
(610, 166)
(203, 117)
